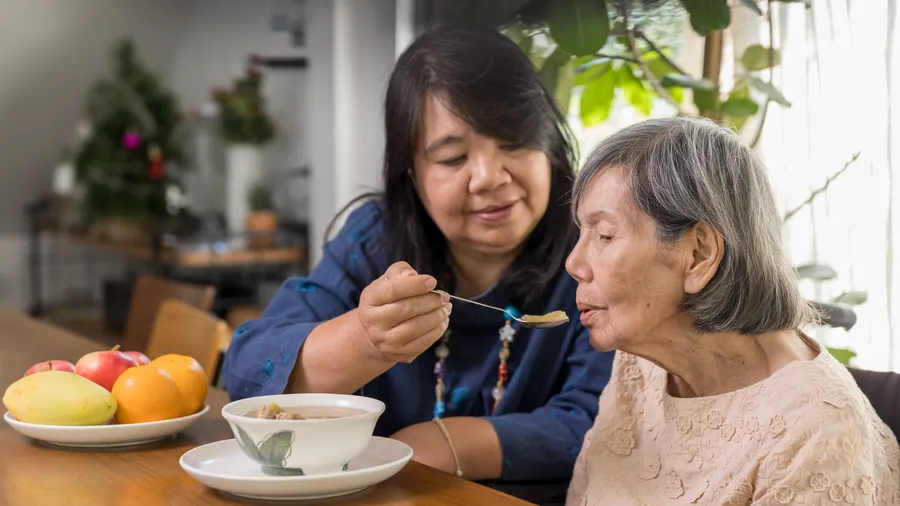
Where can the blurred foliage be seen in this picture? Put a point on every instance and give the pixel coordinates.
(242, 113)
(599, 50)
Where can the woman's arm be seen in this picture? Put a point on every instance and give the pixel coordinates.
(311, 336)
(474, 439)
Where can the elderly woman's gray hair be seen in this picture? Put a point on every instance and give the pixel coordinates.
(684, 171)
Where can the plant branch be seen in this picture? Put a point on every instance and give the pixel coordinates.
(765, 111)
(617, 57)
(818, 191)
(657, 50)
(648, 75)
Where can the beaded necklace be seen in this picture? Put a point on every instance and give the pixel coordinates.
(507, 334)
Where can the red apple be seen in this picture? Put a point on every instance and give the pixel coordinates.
(51, 365)
(104, 367)
(138, 357)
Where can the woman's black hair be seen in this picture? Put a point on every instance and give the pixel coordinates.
(487, 81)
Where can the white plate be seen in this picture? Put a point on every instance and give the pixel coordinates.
(223, 466)
(104, 436)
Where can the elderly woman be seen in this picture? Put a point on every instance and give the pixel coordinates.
(477, 173)
(717, 395)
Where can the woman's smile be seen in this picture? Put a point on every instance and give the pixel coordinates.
(495, 213)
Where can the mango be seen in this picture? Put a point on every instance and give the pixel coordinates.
(59, 398)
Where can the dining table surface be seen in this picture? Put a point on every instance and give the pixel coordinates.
(38, 473)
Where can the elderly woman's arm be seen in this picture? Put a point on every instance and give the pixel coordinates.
(540, 445)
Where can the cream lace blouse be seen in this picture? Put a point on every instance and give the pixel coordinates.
(805, 435)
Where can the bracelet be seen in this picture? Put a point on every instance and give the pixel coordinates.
(440, 424)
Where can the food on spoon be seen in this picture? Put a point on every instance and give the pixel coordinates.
(59, 398)
(555, 316)
(147, 393)
(190, 377)
(51, 365)
(104, 367)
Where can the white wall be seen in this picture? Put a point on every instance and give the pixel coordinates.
(352, 48)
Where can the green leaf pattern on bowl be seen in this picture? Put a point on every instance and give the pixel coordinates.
(272, 452)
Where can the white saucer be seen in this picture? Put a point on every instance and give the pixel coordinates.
(223, 466)
(104, 436)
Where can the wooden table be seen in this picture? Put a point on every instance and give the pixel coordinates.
(34, 473)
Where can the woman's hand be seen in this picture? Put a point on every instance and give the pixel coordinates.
(400, 316)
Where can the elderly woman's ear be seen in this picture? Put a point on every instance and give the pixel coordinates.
(707, 248)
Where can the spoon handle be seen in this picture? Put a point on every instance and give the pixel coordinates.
(471, 301)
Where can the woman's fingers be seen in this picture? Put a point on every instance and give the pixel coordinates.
(400, 311)
(420, 341)
(399, 288)
(410, 330)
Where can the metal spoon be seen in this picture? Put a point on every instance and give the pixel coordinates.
(546, 321)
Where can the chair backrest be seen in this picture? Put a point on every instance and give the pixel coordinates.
(883, 391)
(149, 292)
(183, 329)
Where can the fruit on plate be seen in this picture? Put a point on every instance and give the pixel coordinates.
(146, 393)
(51, 365)
(190, 377)
(59, 398)
(137, 357)
(103, 367)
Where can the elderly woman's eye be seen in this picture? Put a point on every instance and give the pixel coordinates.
(511, 147)
(605, 238)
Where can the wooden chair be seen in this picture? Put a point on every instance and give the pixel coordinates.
(149, 292)
(183, 329)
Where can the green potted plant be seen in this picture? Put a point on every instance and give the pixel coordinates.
(246, 128)
(262, 222)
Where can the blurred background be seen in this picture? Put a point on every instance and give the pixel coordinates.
(212, 141)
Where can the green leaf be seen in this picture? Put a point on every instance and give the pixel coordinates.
(739, 107)
(769, 90)
(248, 445)
(756, 57)
(597, 99)
(751, 4)
(708, 15)
(817, 272)
(579, 26)
(564, 84)
(737, 122)
(852, 298)
(683, 81)
(706, 100)
(842, 355)
(633, 89)
(276, 447)
(593, 72)
(556, 73)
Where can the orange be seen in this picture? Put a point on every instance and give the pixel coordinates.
(146, 393)
(190, 378)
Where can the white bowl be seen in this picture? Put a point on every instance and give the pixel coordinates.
(303, 447)
(99, 436)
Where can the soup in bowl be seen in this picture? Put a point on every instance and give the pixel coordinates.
(303, 434)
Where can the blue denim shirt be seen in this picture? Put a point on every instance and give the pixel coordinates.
(555, 376)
